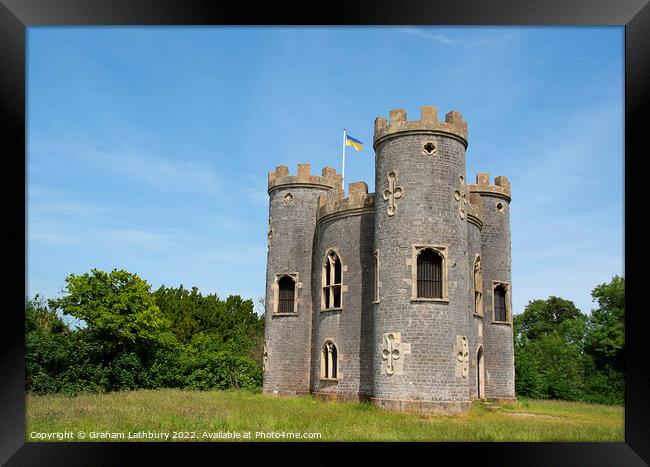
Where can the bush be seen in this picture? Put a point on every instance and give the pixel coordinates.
(223, 370)
(127, 342)
(165, 369)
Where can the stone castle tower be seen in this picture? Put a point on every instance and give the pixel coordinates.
(401, 297)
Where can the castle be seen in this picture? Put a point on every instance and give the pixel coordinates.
(401, 297)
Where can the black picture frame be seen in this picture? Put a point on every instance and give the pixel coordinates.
(17, 15)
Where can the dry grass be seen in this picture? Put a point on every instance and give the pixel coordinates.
(218, 412)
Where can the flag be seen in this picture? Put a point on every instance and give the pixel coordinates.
(355, 143)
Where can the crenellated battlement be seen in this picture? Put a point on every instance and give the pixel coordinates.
(500, 188)
(359, 201)
(454, 125)
(303, 177)
(357, 283)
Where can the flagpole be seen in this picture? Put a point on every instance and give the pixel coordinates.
(343, 168)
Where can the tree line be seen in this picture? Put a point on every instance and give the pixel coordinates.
(561, 353)
(135, 338)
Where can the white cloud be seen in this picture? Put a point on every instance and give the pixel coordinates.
(50, 237)
(181, 174)
(80, 210)
(57, 232)
(463, 42)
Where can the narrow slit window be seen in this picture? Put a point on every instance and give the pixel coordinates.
(286, 294)
(376, 289)
(478, 287)
(429, 274)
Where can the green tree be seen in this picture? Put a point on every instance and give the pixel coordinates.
(117, 307)
(560, 364)
(47, 347)
(544, 316)
(39, 318)
(605, 343)
(228, 325)
(606, 336)
(549, 339)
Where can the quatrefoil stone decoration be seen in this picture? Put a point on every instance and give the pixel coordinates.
(266, 357)
(390, 353)
(393, 352)
(462, 356)
(460, 195)
(392, 193)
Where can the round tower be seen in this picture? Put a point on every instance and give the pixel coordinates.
(476, 292)
(421, 326)
(293, 206)
(497, 287)
(343, 292)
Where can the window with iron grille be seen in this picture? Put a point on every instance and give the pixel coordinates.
(500, 303)
(429, 274)
(286, 294)
(329, 361)
(332, 282)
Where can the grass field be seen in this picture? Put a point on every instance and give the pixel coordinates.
(213, 415)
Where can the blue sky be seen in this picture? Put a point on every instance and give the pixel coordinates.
(148, 148)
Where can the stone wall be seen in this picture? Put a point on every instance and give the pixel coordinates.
(292, 219)
(429, 175)
(476, 316)
(405, 352)
(348, 231)
(496, 260)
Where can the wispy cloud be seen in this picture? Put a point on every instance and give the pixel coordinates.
(441, 38)
(576, 156)
(165, 174)
(123, 239)
(56, 220)
(180, 174)
(78, 210)
(456, 41)
(52, 237)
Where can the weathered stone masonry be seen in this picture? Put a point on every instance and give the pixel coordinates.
(402, 348)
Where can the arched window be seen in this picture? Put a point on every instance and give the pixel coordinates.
(286, 294)
(429, 274)
(331, 282)
(329, 361)
(500, 312)
(478, 287)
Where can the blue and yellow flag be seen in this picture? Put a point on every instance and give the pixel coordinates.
(355, 143)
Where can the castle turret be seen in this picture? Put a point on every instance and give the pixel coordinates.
(402, 296)
(293, 207)
(421, 325)
(497, 288)
(476, 292)
(342, 291)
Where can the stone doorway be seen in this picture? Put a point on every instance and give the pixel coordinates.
(480, 377)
